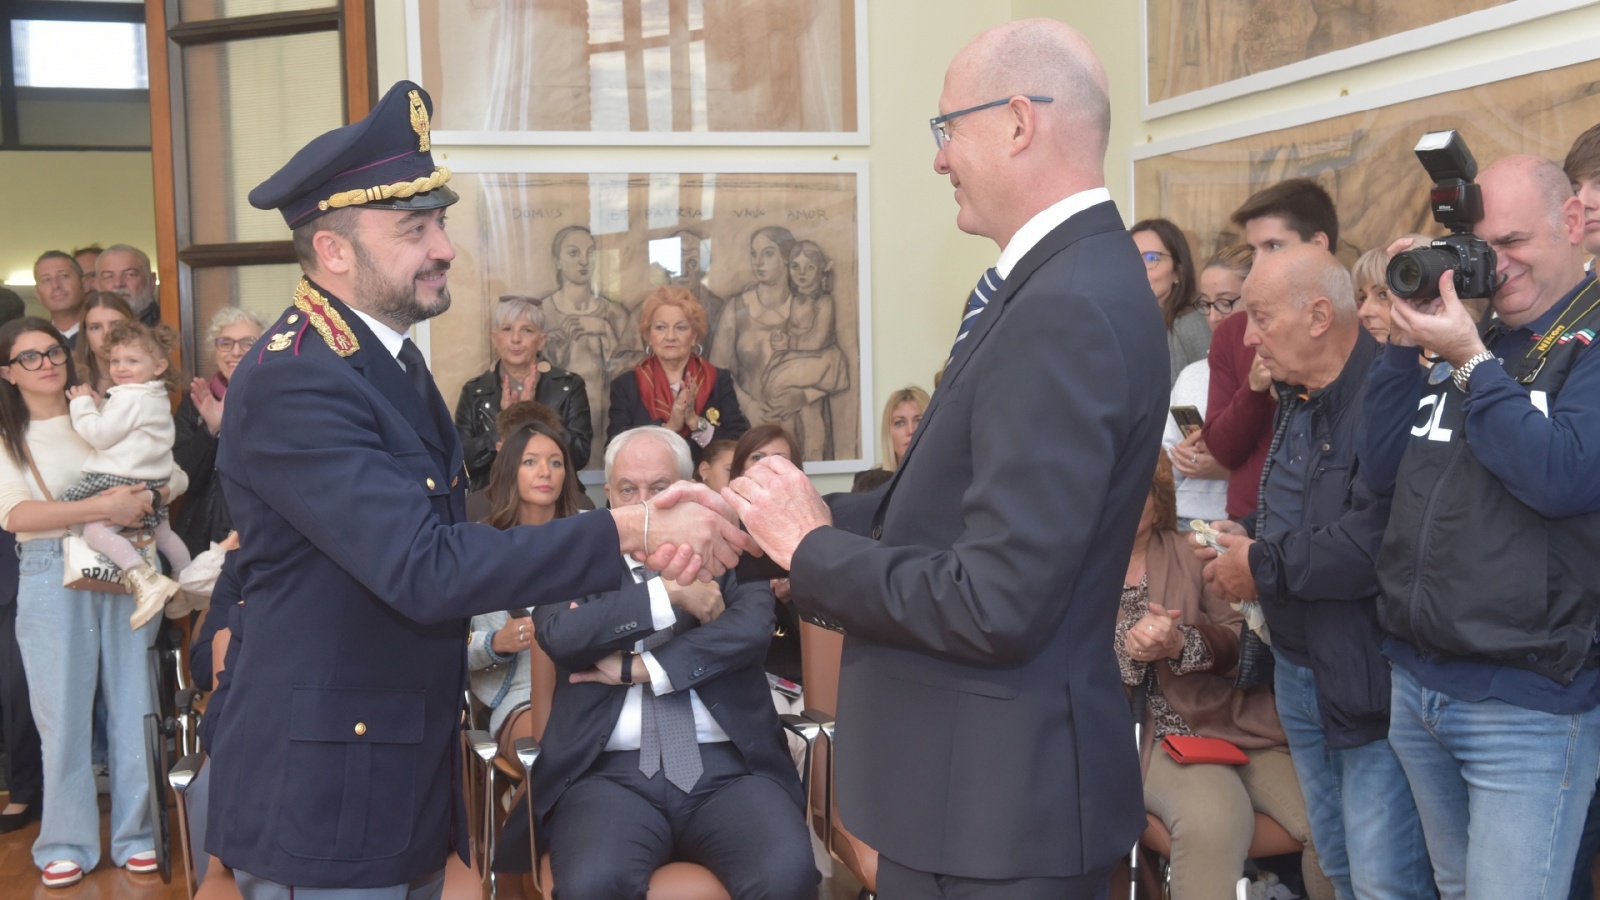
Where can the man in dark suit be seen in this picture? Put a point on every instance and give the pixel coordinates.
(985, 743)
(608, 825)
(336, 765)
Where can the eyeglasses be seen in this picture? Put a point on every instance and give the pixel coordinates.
(226, 345)
(33, 360)
(940, 125)
(1223, 306)
(1152, 258)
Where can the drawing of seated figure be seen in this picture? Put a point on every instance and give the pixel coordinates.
(808, 367)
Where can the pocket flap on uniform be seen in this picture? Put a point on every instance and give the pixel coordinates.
(356, 715)
(419, 465)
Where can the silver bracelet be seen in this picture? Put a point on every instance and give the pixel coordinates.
(647, 529)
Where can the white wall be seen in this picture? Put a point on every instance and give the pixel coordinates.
(58, 201)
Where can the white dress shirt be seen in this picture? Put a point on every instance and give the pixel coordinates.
(1045, 222)
(391, 340)
(625, 736)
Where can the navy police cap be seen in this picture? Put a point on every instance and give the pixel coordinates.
(383, 161)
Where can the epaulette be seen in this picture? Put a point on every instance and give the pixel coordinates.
(327, 320)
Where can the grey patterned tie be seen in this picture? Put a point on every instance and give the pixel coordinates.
(667, 738)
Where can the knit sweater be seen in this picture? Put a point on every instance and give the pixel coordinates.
(1238, 428)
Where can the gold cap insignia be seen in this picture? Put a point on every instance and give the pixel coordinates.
(332, 326)
(419, 122)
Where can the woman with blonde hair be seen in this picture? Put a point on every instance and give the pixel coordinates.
(675, 386)
(901, 414)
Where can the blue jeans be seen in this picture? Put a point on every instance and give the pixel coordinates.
(71, 640)
(1362, 817)
(1502, 790)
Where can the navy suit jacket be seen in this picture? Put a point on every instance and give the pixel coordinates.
(983, 729)
(720, 660)
(337, 764)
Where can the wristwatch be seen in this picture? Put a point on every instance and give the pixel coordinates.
(626, 674)
(1463, 374)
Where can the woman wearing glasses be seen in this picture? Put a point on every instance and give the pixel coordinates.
(1200, 481)
(71, 639)
(1170, 268)
(204, 517)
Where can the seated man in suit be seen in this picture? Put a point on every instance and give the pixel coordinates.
(663, 743)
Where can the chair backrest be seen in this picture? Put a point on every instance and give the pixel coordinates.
(541, 687)
(821, 650)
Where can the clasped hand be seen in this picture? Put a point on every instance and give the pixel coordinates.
(779, 506)
(693, 534)
(1155, 635)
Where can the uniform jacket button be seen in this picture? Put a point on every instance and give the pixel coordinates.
(361, 728)
(429, 483)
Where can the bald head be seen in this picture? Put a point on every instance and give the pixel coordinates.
(1303, 273)
(1540, 180)
(1044, 57)
(1302, 315)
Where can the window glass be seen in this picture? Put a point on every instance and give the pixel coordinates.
(51, 54)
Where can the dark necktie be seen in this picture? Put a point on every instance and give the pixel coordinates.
(987, 287)
(416, 370)
(667, 738)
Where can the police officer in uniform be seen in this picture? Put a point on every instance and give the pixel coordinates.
(336, 770)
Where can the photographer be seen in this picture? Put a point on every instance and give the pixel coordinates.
(1488, 593)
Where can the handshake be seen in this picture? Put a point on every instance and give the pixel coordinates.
(689, 532)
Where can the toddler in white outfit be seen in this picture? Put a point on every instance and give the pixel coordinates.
(131, 432)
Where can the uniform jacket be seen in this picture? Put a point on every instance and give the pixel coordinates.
(983, 730)
(479, 404)
(337, 764)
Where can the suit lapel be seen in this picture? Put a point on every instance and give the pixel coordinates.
(1097, 219)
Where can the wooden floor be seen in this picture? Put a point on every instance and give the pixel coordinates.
(19, 878)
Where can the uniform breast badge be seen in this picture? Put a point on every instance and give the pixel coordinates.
(326, 319)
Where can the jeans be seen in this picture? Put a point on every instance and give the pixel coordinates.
(70, 641)
(1502, 790)
(1363, 819)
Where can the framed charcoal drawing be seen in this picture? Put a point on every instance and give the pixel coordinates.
(1199, 52)
(1360, 148)
(663, 72)
(777, 258)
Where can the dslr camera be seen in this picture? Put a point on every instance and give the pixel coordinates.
(1458, 205)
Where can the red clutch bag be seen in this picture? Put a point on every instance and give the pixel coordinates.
(1203, 750)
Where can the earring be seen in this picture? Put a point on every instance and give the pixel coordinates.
(699, 349)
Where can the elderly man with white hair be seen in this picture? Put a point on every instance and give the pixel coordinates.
(663, 743)
(125, 271)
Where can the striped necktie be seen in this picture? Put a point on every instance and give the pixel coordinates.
(987, 287)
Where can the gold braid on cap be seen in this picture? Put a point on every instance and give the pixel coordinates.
(401, 189)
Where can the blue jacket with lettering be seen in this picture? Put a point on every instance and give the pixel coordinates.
(1495, 528)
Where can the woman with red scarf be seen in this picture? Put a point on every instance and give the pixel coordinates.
(203, 517)
(675, 387)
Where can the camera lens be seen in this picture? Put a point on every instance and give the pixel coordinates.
(1415, 274)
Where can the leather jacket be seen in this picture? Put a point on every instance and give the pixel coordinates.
(558, 389)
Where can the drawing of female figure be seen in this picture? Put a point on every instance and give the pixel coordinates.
(760, 310)
(589, 334)
(808, 367)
